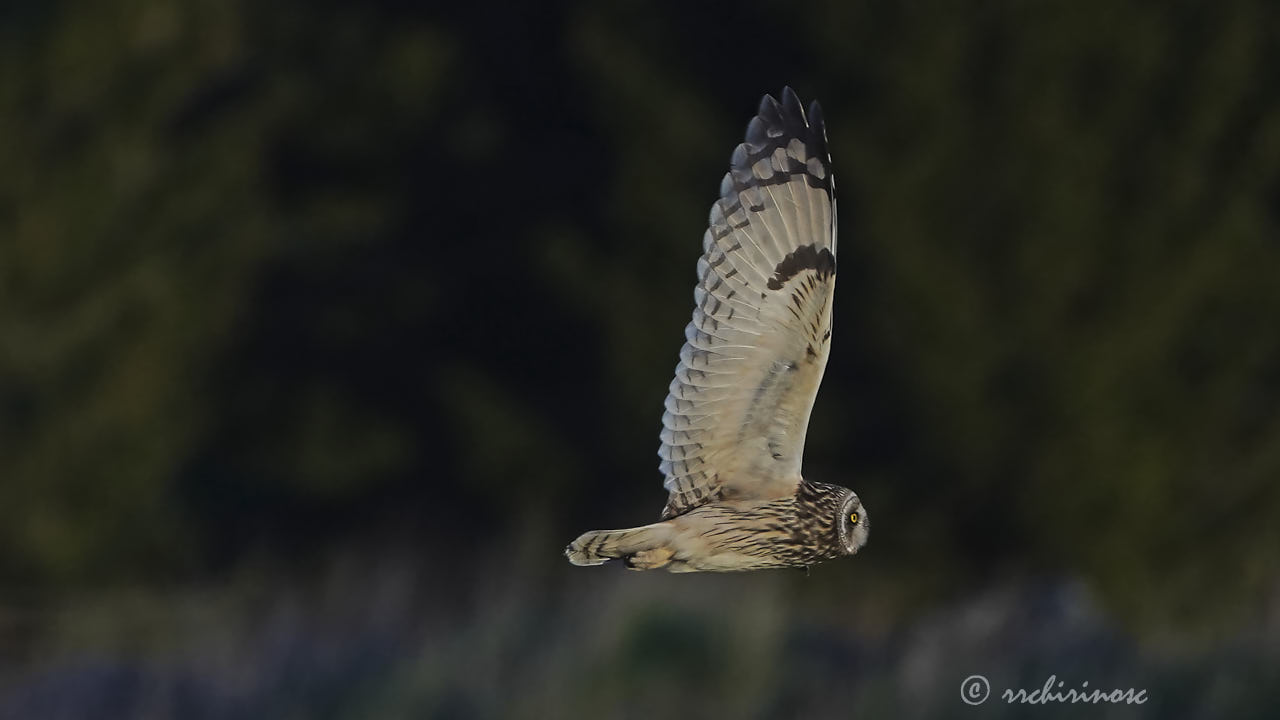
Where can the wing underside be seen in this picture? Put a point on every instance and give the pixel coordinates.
(755, 351)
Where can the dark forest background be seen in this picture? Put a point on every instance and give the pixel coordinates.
(325, 326)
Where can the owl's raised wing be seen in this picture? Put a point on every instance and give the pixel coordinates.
(756, 349)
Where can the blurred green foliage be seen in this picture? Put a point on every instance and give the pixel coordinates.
(273, 275)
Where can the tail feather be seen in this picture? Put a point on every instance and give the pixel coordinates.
(600, 546)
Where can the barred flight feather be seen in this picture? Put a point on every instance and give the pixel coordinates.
(757, 346)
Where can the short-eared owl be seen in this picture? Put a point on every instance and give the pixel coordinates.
(738, 409)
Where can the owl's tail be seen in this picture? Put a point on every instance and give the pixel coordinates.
(641, 548)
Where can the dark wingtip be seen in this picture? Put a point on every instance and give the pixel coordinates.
(771, 113)
(791, 103)
(757, 134)
(775, 125)
(776, 119)
(816, 120)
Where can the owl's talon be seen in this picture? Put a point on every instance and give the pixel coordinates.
(649, 559)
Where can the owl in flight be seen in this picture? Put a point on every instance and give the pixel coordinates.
(735, 421)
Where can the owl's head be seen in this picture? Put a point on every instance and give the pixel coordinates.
(853, 524)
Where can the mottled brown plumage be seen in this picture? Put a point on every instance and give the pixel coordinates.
(755, 352)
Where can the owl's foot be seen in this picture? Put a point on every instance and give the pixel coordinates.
(649, 559)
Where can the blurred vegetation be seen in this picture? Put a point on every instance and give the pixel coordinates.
(278, 277)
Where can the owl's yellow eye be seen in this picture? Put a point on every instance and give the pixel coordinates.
(853, 518)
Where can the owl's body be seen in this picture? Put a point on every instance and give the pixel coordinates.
(796, 531)
(738, 409)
